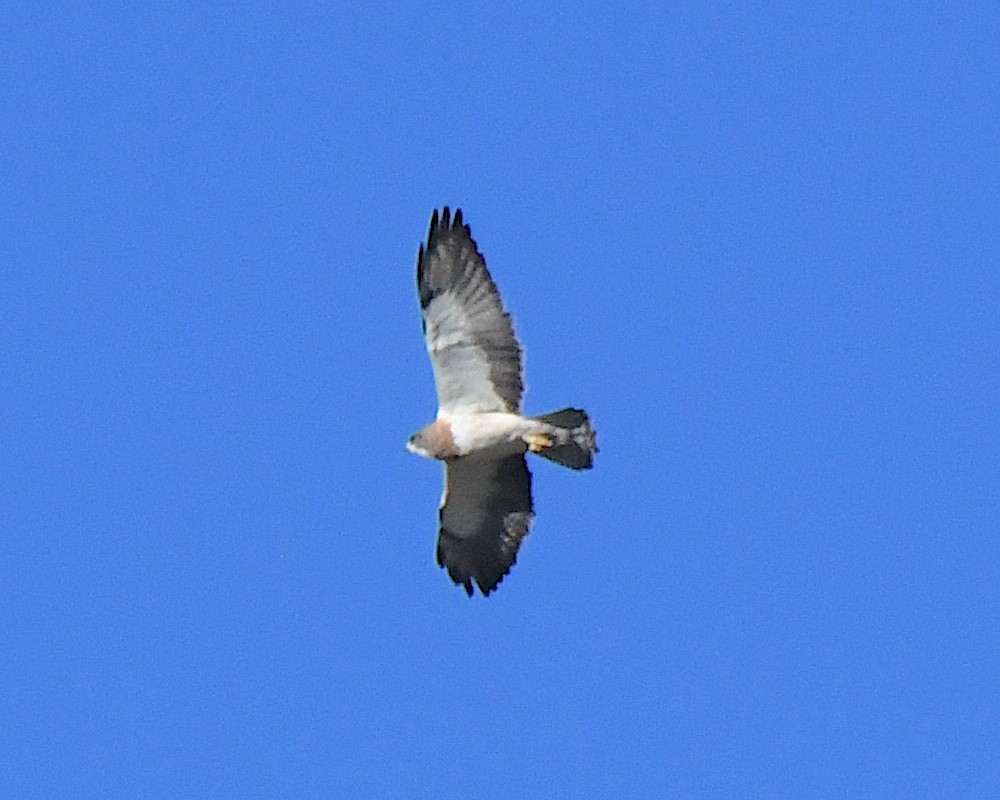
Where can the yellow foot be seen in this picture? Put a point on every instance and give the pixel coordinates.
(538, 441)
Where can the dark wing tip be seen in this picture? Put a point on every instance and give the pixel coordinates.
(487, 588)
(467, 567)
(438, 222)
(441, 223)
(443, 220)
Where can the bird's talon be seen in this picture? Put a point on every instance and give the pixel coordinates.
(538, 442)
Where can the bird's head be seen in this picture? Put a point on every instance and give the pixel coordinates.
(418, 444)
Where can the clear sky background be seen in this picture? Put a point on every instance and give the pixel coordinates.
(759, 243)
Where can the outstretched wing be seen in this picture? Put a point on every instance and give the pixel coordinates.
(485, 513)
(470, 338)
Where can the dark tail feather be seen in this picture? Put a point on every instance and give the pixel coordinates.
(575, 441)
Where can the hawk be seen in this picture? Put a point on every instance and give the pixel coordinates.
(480, 433)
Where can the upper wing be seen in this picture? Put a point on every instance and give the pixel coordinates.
(470, 338)
(485, 513)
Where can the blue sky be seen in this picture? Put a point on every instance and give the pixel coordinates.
(757, 242)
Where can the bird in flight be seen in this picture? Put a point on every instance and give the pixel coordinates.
(480, 433)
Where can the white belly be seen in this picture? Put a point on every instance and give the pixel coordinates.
(472, 432)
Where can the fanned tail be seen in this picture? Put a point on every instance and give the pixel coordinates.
(574, 438)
